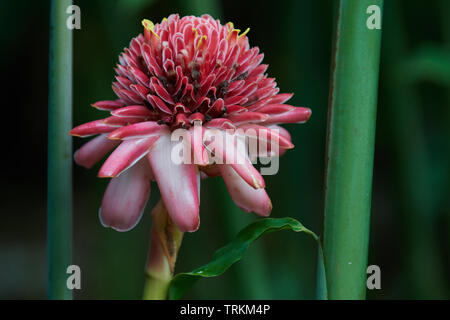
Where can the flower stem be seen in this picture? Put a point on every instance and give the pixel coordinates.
(351, 137)
(59, 193)
(164, 245)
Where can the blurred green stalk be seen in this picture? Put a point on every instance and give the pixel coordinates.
(59, 179)
(199, 7)
(414, 166)
(351, 138)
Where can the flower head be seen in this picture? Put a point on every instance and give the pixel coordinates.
(189, 73)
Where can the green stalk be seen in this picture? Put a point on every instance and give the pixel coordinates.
(351, 138)
(59, 193)
(165, 243)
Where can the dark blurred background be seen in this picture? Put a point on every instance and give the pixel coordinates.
(410, 238)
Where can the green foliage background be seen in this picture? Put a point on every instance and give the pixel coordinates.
(410, 237)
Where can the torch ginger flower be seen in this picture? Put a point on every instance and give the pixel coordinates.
(180, 72)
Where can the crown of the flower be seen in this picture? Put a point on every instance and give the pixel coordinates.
(193, 68)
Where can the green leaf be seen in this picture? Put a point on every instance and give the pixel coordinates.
(226, 256)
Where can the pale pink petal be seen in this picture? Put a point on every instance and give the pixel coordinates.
(178, 184)
(282, 113)
(125, 198)
(121, 121)
(125, 156)
(245, 197)
(200, 155)
(93, 128)
(93, 151)
(268, 134)
(138, 130)
(228, 149)
(247, 117)
(108, 105)
(284, 133)
(220, 123)
(133, 111)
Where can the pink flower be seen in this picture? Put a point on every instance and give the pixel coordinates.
(181, 72)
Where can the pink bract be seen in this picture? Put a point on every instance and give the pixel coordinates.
(180, 72)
